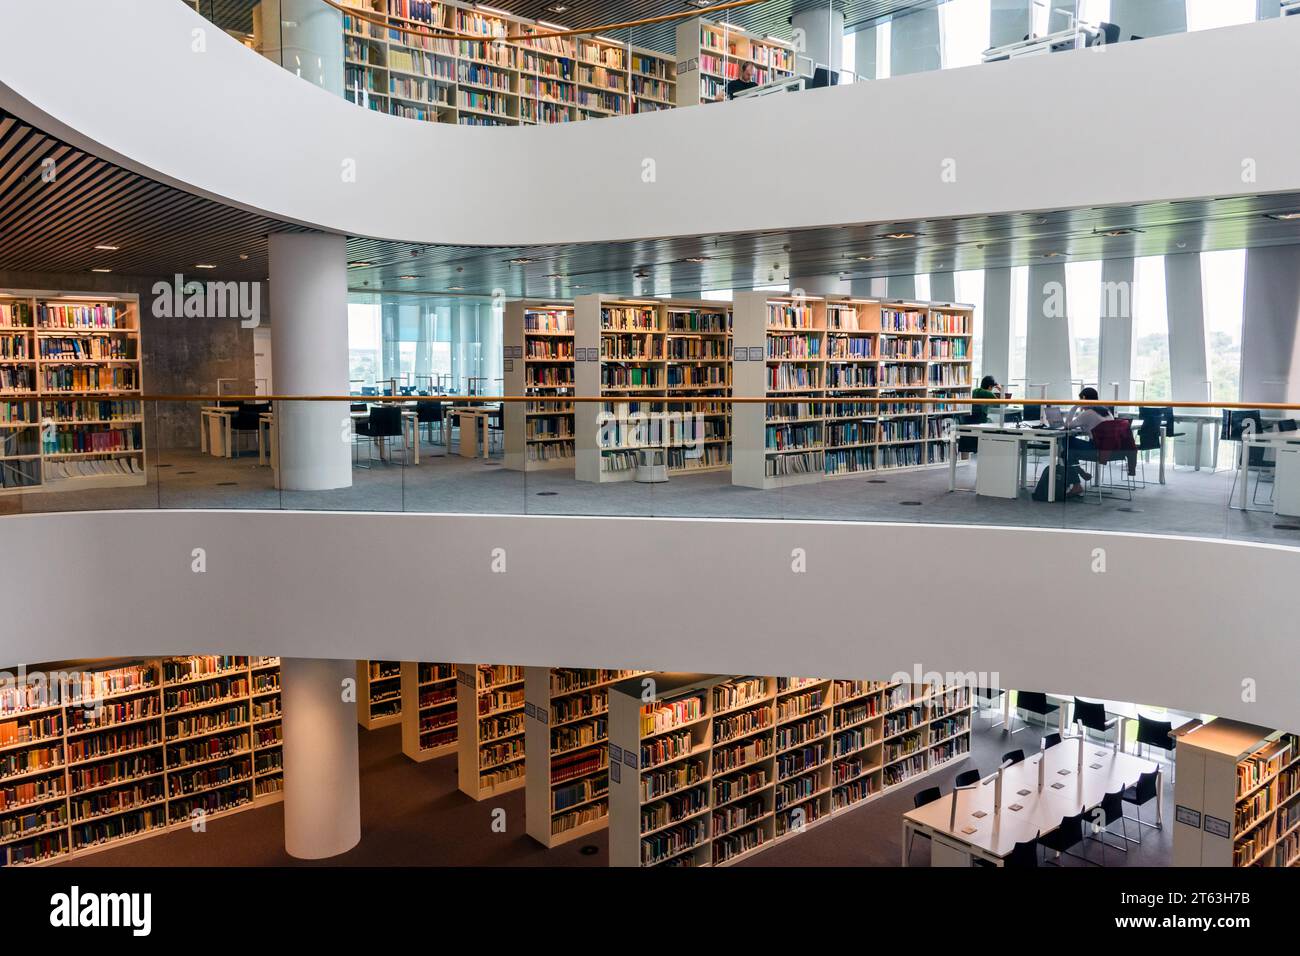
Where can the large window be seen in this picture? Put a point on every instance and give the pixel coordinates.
(1208, 14)
(963, 32)
(1223, 286)
(1019, 329)
(1083, 301)
(970, 290)
(1151, 380)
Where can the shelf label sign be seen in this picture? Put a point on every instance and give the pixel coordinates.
(1188, 816)
(1216, 827)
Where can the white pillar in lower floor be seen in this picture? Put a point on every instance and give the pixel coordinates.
(1115, 347)
(822, 23)
(1189, 374)
(1270, 335)
(309, 356)
(1047, 340)
(943, 287)
(996, 359)
(322, 789)
(901, 287)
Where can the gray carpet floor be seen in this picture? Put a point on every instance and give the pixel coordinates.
(413, 815)
(1191, 503)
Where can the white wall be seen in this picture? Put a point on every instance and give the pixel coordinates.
(1172, 621)
(1169, 118)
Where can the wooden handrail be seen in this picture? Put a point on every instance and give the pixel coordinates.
(425, 30)
(731, 400)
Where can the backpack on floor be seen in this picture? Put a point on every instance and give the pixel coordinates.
(1040, 489)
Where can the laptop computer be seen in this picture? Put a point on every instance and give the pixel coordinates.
(1053, 417)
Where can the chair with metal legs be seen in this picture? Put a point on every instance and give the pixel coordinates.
(1139, 795)
(1157, 734)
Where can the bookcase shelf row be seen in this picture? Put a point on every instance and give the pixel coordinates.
(490, 729)
(538, 361)
(715, 768)
(70, 383)
(135, 748)
(404, 68)
(709, 55)
(379, 693)
(429, 706)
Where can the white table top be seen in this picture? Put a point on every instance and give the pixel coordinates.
(1011, 428)
(1270, 438)
(997, 834)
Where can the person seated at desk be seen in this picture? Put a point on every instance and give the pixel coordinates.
(1080, 422)
(989, 388)
(744, 82)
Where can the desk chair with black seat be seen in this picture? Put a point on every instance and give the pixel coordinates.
(1112, 812)
(496, 428)
(1157, 734)
(1013, 757)
(246, 420)
(1067, 835)
(1232, 429)
(428, 414)
(1157, 427)
(1090, 715)
(920, 799)
(1033, 702)
(967, 778)
(1139, 795)
(1051, 740)
(383, 425)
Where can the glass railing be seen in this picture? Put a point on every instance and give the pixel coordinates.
(424, 63)
(1174, 469)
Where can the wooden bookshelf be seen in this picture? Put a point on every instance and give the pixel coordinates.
(711, 54)
(1236, 795)
(490, 728)
(717, 768)
(70, 387)
(657, 348)
(567, 745)
(429, 705)
(539, 362)
(127, 749)
(414, 73)
(844, 377)
(379, 693)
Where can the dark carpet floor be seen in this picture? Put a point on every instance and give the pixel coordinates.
(413, 815)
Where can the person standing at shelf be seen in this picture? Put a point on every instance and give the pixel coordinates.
(744, 82)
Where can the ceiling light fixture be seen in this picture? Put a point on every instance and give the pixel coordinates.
(865, 258)
(521, 261)
(454, 288)
(558, 8)
(204, 265)
(698, 259)
(1283, 216)
(1050, 255)
(359, 265)
(105, 247)
(410, 277)
(699, 4)
(899, 235)
(101, 270)
(555, 275)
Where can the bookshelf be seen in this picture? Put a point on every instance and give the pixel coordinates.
(658, 348)
(379, 693)
(844, 377)
(127, 749)
(566, 742)
(420, 73)
(70, 386)
(539, 362)
(490, 728)
(1235, 793)
(711, 54)
(429, 705)
(717, 768)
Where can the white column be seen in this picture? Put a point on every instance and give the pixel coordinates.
(322, 789)
(309, 356)
(1270, 337)
(823, 30)
(864, 53)
(1047, 345)
(901, 287)
(1009, 21)
(914, 42)
(305, 37)
(943, 287)
(822, 285)
(491, 323)
(997, 325)
(1188, 370)
(1115, 348)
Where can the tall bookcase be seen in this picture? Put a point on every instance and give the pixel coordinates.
(1236, 795)
(429, 706)
(711, 54)
(844, 378)
(567, 744)
(717, 767)
(539, 362)
(490, 728)
(379, 693)
(70, 387)
(658, 348)
(419, 72)
(126, 749)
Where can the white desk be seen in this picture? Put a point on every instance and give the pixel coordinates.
(477, 421)
(1071, 39)
(215, 435)
(1283, 443)
(410, 433)
(1001, 446)
(1200, 421)
(996, 833)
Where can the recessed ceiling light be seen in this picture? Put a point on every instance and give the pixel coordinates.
(699, 4)
(698, 259)
(454, 288)
(359, 265)
(105, 247)
(243, 256)
(558, 8)
(410, 277)
(101, 270)
(555, 275)
(1050, 255)
(865, 258)
(1116, 233)
(577, 286)
(641, 274)
(521, 261)
(204, 265)
(1283, 216)
(899, 235)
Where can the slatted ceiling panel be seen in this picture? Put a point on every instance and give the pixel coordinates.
(53, 226)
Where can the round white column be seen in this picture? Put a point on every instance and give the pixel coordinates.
(322, 789)
(823, 27)
(309, 356)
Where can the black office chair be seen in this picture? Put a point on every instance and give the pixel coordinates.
(428, 414)
(1109, 33)
(1151, 436)
(1090, 715)
(1067, 835)
(1051, 740)
(1139, 795)
(1105, 815)
(1033, 702)
(1158, 734)
(247, 418)
(967, 777)
(970, 444)
(1232, 428)
(384, 423)
(1013, 757)
(1022, 855)
(496, 427)
(920, 799)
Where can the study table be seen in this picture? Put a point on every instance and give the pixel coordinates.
(1286, 469)
(1072, 38)
(1002, 457)
(995, 832)
(1126, 712)
(476, 419)
(215, 430)
(410, 431)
